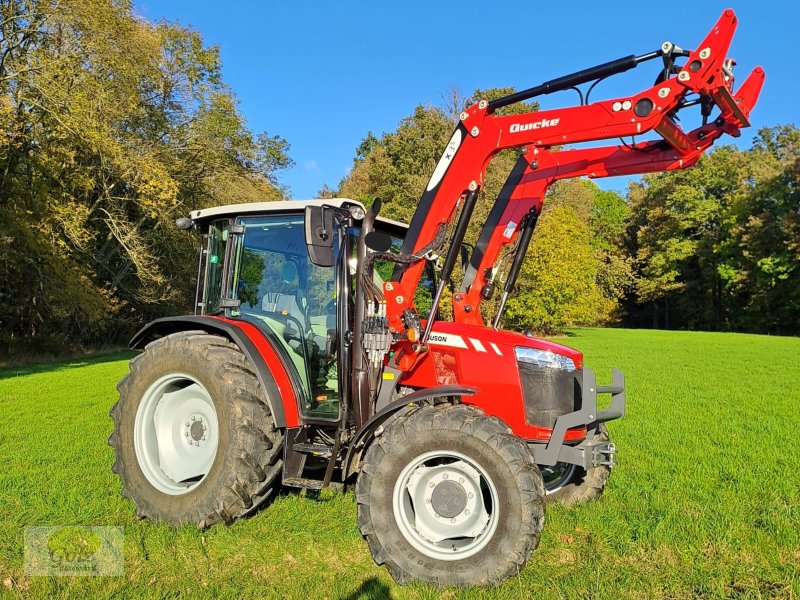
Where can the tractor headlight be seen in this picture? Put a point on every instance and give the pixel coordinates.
(543, 358)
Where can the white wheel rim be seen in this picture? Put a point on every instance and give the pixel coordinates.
(445, 505)
(557, 476)
(176, 433)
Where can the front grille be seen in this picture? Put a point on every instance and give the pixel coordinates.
(548, 393)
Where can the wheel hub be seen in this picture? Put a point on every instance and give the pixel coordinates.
(445, 506)
(196, 430)
(176, 433)
(449, 499)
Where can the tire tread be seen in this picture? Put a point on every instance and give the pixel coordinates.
(258, 444)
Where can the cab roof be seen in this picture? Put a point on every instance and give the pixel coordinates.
(204, 215)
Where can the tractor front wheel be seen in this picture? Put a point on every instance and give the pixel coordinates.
(449, 496)
(193, 435)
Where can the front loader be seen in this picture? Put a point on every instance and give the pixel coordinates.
(317, 358)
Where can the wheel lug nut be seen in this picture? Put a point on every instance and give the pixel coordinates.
(466, 511)
(470, 495)
(460, 480)
(445, 476)
(431, 485)
(452, 520)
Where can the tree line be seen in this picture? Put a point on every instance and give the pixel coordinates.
(112, 126)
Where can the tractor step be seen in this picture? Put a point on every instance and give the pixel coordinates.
(310, 484)
(315, 449)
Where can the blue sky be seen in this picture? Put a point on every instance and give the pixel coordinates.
(322, 74)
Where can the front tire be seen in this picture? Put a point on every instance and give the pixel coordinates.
(193, 435)
(449, 496)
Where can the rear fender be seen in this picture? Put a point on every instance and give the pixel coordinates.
(257, 349)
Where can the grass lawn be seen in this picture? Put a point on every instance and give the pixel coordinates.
(705, 500)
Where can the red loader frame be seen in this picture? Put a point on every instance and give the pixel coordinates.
(481, 133)
(520, 203)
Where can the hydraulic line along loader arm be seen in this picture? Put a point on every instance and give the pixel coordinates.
(481, 133)
(519, 203)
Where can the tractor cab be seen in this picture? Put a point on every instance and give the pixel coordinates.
(255, 266)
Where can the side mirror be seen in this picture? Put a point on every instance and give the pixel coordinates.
(319, 235)
(184, 223)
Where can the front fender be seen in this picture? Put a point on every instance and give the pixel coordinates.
(395, 409)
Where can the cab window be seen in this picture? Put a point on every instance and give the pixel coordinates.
(276, 284)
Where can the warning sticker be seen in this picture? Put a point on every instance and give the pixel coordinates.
(510, 228)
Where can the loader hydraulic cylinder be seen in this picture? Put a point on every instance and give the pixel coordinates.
(513, 272)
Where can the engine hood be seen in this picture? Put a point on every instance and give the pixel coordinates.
(500, 342)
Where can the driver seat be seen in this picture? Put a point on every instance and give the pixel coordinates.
(286, 304)
(293, 305)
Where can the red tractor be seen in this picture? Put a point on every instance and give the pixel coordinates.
(316, 356)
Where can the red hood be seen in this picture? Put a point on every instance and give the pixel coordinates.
(504, 340)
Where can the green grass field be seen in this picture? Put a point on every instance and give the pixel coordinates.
(705, 501)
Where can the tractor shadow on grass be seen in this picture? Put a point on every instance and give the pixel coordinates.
(372, 588)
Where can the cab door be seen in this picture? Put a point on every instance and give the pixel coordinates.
(293, 301)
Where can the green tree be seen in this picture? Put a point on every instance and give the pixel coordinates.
(715, 247)
(558, 284)
(397, 166)
(110, 128)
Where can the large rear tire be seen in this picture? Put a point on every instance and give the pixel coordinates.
(193, 437)
(449, 496)
(570, 484)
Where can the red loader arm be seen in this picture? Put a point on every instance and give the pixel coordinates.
(537, 169)
(481, 133)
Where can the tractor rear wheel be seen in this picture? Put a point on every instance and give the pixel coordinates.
(449, 496)
(570, 484)
(193, 435)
